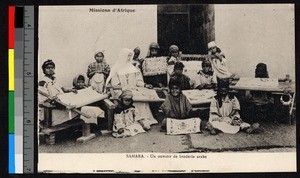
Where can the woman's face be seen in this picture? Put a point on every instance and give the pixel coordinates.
(49, 70)
(175, 54)
(99, 57)
(213, 50)
(136, 54)
(153, 51)
(175, 91)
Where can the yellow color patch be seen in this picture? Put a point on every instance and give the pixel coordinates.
(11, 69)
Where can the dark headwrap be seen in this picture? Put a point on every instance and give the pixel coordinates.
(173, 48)
(223, 83)
(173, 82)
(261, 71)
(154, 45)
(178, 65)
(126, 94)
(46, 63)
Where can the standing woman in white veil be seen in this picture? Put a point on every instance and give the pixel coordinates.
(124, 74)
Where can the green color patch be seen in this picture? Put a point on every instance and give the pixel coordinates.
(11, 112)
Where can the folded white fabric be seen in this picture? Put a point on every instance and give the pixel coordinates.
(93, 112)
(183, 126)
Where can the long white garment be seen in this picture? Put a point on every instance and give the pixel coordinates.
(220, 68)
(128, 76)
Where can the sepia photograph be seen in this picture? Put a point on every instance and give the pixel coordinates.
(167, 88)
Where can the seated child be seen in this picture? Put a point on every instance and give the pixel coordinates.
(207, 78)
(260, 102)
(224, 112)
(97, 72)
(127, 120)
(176, 104)
(218, 61)
(183, 80)
(79, 82)
(52, 88)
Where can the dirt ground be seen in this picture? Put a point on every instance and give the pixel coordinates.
(269, 138)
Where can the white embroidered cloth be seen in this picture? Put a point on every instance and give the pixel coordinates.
(154, 66)
(257, 83)
(83, 97)
(183, 126)
(199, 96)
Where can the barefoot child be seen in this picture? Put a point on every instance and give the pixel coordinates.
(127, 121)
(224, 112)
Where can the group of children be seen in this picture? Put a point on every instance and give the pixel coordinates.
(128, 121)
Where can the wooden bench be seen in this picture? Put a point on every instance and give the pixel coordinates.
(49, 130)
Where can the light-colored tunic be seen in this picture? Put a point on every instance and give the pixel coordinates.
(53, 88)
(225, 123)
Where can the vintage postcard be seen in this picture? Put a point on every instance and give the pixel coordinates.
(169, 88)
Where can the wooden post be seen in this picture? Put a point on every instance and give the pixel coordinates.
(86, 129)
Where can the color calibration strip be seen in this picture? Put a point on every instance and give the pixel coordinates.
(19, 46)
(21, 89)
(11, 83)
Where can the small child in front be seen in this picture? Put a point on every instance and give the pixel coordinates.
(127, 121)
(224, 112)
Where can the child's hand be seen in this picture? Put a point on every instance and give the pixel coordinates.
(148, 86)
(219, 56)
(74, 91)
(200, 87)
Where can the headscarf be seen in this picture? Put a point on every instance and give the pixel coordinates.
(173, 48)
(178, 65)
(223, 83)
(261, 71)
(137, 50)
(75, 80)
(211, 44)
(154, 45)
(126, 94)
(124, 59)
